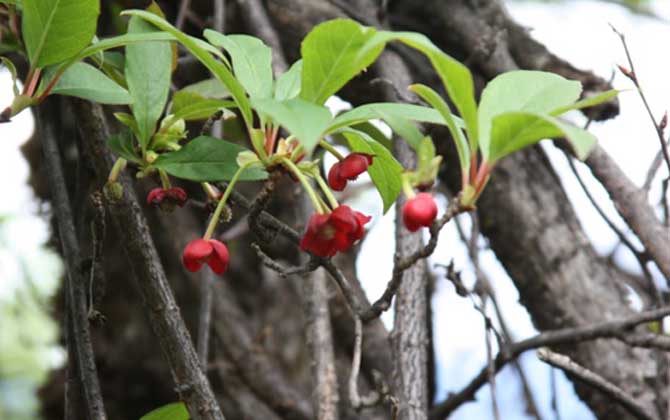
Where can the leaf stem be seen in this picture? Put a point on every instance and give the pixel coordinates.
(165, 180)
(305, 184)
(119, 165)
(330, 148)
(214, 221)
(326, 190)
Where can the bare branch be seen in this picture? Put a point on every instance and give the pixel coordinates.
(610, 329)
(591, 378)
(78, 334)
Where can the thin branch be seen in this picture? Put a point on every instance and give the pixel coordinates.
(205, 317)
(632, 75)
(181, 15)
(610, 329)
(358, 401)
(79, 334)
(653, 169)
(384, 302)
(593, 379)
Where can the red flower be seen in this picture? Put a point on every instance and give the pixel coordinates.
(348, 169)
(419, 211)
(169, 197)
(327, 234)
(210, 251)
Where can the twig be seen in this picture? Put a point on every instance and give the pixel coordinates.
(490, 368)
(639, 256)
(554, 395)
(632, 75)
(401, 265)
(593, 379)
(219, 15)
(358, 401)
(159, 302)
(653, 169)
(79, 334)
(181, 15)
(610, 329)
(205, 317)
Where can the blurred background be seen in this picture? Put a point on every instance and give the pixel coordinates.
(578, 31)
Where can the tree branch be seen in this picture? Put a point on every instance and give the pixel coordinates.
(78, 328)
(617, 394)
(160, 305)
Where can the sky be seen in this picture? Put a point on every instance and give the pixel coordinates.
(589, 43)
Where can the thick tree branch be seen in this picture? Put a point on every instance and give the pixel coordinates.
(162, 310)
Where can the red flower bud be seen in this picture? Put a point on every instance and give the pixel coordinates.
(326, 234)
(210, 251)
(348, 169)
(419, 211)
(167, 197)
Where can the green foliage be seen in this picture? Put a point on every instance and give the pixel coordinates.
(85, 81)
(252, 61)
(174, 411)
(208, 88)
(122, 144)
(207, 159)
(203, 52)
(385, 170)
(332, 54)
(55, 30)
(288, 84)
(148, 70)
(305, 120)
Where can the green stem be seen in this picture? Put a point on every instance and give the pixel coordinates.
(407, 187)
(326, 190)
(119, 165)
(305, 184)
(214, 221)
(330, 148)
(209, 190)
(165, 181)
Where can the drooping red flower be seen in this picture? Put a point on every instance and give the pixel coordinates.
(327, 234)
(170, 196)
(348, 169)
(419, 211)
(200, 251)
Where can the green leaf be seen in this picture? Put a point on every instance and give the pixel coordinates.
(523, 91)
(436, 101)
(148, 72)
(207, 159)
(129, 121)
(513, 131)
(304, 120)
(122, 145)
(55, 30)
(374, 132)
(330, 54)
(208, 88)
(252, 61)
(203, 53)
(385, 171)
(288, 84)
(85, 81)
(191, 106)
(174, 411)
(384, 111)
(456, 78)
(587, 102)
